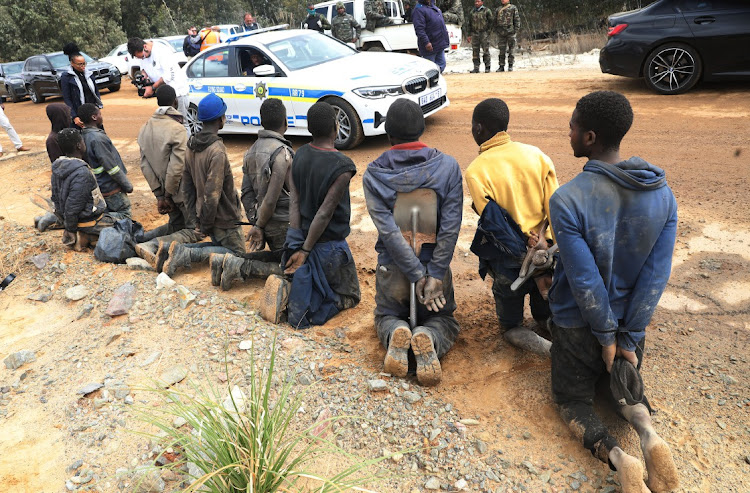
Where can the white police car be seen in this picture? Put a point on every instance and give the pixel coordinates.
(302, 67)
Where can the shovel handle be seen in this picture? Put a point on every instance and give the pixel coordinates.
(413, 291)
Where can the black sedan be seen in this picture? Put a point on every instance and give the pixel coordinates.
(41, 74)
(11, 82)
(673, 44)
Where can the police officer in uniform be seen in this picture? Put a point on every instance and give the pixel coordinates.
(480, 28)
(375, 15)
(344, 27)
(507, 22)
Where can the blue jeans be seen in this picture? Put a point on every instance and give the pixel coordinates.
(436, 56)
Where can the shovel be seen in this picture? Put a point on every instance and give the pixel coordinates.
(415, 214)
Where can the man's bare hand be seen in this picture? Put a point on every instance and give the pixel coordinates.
(199, 236)
(428, 47)
(256, 239)
(430, 293)
(608, 355)
(628, 355)
(295, 261)
(148, 91)
(163, 205)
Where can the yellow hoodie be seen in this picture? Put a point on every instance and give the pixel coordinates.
(519, 177)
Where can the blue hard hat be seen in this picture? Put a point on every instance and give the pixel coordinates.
(211, 108)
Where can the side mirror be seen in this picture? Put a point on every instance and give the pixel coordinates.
(264, 71)
(53, 72)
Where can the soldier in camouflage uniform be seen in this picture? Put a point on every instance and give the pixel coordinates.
(507, 23)
(480, 28)
(375, 15)
(344, 27)
(453, 11)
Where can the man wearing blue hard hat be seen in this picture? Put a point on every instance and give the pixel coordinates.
(209, 187)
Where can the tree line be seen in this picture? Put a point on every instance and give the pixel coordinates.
(30, 27)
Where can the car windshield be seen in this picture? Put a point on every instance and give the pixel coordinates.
(307, 50)
(13, 68)
(176, 44)
(61, 60)
(114, 51)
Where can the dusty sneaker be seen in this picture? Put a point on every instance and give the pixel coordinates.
(429, 371)
(216, 260)
(179, 258)
(397, 358)
(147, 252)
(275, 298)
(230, 271)
(162, 254)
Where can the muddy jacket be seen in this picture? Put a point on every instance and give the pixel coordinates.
(163, 142)
(480, 21)
(453, 11)
(405, 168)
(75, 193)
(507, 20)
(256, 173)
(342, 26)
(208, 183)
(615, 226)
(105, 161)
(316, 22)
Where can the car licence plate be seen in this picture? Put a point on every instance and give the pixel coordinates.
(428, 98)
(103, 79)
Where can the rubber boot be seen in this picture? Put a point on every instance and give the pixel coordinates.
(147, 251)
(257, 268)
(45, 222)
(429, 372)
(275, 299)
(510, 68)
(162, 230)
(528, 340)
(216, 260)
(179, 258)
(487, 69)
(396, 360)
(230, 270)
(476, 70)
(501, 68)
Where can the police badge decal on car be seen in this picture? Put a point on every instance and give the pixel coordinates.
(260, 90)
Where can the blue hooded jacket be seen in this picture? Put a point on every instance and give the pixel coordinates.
(615, 226)
(403, 169)
(429, 26)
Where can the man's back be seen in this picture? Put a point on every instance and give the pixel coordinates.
(616, 226)
(256, 170)
(163, 141)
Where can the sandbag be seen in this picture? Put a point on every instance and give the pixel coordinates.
(116, 244)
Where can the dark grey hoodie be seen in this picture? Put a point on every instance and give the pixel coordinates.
(75, 192)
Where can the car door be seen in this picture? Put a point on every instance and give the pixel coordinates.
(210, 73)
(47, 81)
(721, 29)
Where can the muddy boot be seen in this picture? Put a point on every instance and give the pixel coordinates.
(528, 340)
(230, 270)
(256, 268)
(162, 254)
(429, 371)
(147, 251)
(215, 261)
(476, 70)
(275, 299)
(396, 360)
(179, 258)
(487, 69)
(510, 68)
(501, 68)
(43, 223)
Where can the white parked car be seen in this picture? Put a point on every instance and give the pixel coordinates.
(302, 67)
(126, 64)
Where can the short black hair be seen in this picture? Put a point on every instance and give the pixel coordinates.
(606, 113)
(321, 119)
(165, 95)
(67, 139)
(272, 114)
(135, 45)
(87, 111)
(493, 114)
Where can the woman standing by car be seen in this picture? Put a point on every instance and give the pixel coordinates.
(77, 84)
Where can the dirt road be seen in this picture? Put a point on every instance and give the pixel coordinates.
(696, 367)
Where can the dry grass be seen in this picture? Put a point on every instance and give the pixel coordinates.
(575, 44)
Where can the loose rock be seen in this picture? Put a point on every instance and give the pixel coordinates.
(172, 376)
(377, 385)
(411, 397)
(76, 293)
(432, 484)
(137, 263)
(122, 300)
(164, 281)
(16, 360)
(89, 388)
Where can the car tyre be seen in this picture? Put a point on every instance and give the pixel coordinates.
(114, 88)
(12, 94)
(672, 68)
(376, 47)
(350, 127)
(36, 98)
(193, 122)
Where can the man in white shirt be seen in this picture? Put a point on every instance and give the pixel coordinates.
(160, 65)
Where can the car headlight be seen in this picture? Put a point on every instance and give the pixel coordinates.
(379, 92)
(115, 70)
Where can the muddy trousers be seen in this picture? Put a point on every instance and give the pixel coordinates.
(392, 309)
(222, 241)
(506, 43)
(480, 41)
(177, 229)
(263, 264)
(577, 368)
(509, 303)
(118, 206)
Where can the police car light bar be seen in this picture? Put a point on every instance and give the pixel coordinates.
(236, 36)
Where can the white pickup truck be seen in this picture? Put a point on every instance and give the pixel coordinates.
(398, 37)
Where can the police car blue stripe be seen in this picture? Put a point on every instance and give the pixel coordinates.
(368, 120)
(272, 91)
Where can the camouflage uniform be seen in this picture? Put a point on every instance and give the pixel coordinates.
(453, 11)
(507, 22)
(342, 25)
(375, 15)
(480, 28)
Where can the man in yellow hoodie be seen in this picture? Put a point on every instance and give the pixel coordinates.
(510, 184)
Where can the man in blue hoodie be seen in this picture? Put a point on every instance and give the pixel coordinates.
(405, 167)
(432, 35)
(615, 225)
